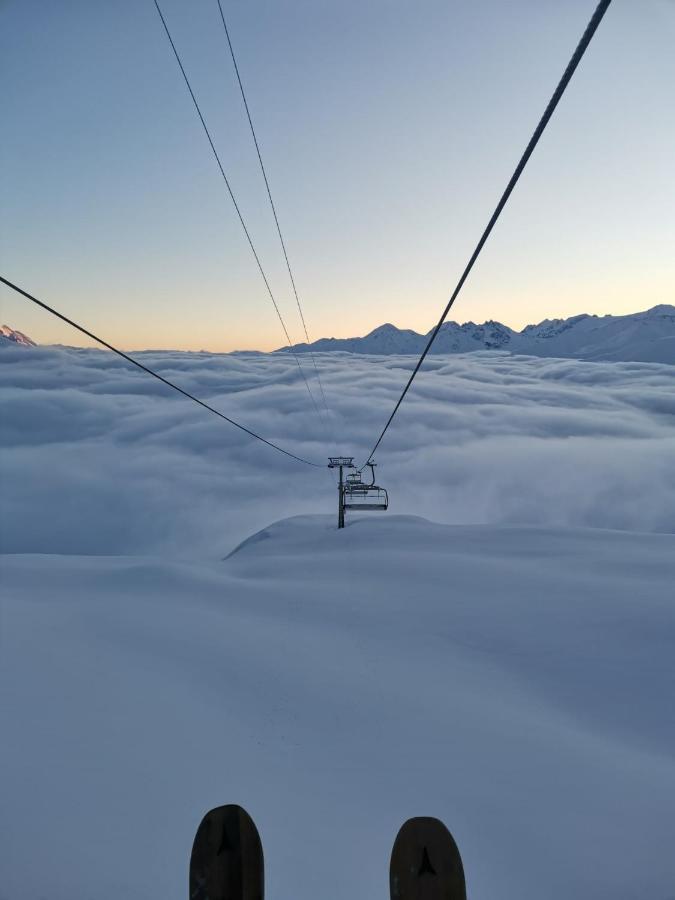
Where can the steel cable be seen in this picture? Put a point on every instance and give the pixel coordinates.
(274, 211)
(600, 11)
(154, 374)
(236, 205)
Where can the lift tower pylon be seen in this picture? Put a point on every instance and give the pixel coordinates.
(341, 463)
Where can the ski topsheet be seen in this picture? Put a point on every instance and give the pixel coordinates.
(425, 863)
(227, 857)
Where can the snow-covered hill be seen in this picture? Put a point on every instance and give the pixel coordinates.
(517, 682)
(16, 337)
(641, 337)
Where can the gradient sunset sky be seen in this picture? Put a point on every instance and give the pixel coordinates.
(389, 130)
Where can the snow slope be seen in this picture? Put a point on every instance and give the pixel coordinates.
(517, 682)
(640, 337)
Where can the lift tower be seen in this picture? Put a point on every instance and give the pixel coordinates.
(341, 462)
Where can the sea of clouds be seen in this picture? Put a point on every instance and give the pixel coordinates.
(98, 458)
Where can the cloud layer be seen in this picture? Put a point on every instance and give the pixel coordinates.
(98, 458)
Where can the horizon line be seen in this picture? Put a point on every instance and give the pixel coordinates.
(286, 348)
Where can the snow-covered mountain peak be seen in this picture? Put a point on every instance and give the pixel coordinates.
(16, 337)
(662, 309)
(550, 328)
(647, 336)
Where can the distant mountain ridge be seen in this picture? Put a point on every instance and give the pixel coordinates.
(647, 336)
(16, 337)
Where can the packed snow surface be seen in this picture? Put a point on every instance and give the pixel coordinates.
(516, 682)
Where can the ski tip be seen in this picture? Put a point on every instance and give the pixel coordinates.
(227, 857)
(426, 863)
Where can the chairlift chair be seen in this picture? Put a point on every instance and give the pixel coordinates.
(354, 492)
(360, 495)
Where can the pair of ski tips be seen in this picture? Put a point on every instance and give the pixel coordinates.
(227, 860)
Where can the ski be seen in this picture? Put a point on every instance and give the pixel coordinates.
(425, 863)
(227, 857)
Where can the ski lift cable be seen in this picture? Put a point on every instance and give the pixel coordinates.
(156, 375)
(595, 20)
(236, 205)
(273, 207)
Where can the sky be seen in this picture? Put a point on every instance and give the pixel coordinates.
(389, 130)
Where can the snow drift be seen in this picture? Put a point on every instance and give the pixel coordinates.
(516, 682)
